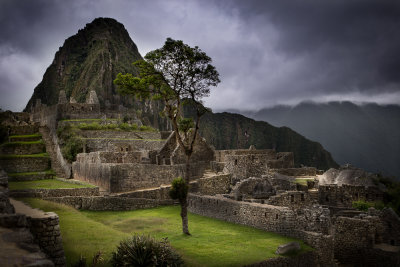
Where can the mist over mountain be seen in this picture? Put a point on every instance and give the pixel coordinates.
(367, 135)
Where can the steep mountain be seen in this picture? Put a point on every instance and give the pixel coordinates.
(367, 136)
(232, 131)
(89, 60)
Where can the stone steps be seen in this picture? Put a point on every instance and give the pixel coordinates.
(50, 148)
(31, 176)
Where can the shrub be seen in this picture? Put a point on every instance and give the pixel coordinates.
(179, 189)
(146, 128)
(72, 147)
(365, 205)
(141, 250)
(127, 127)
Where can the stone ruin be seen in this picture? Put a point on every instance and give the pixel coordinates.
(256, 187)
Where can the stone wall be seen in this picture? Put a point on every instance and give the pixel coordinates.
(291, 199)
(216, 184)
(281, 220)
(343, 196)
(57, 192)
(25, 164)
(122, 145)
(22, 148)
(46, 231)
(100, 203)
(110, 157)
(245, 166)
(283, 160)
(121, 134)
(24, 129)
(221, 154)
(253, 188)
(123, 177)
(305, 259)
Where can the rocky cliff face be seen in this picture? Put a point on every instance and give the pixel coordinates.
(89, 60)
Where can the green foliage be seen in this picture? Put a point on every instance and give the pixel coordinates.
(82, 262)
(70, 142)
(142, 250)
(13, 156)
(185, 124)
(127, 127)
(365, 205)
(179, 189)
(145, 128)
(392, 195)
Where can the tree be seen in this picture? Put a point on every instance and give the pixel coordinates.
(176, 74)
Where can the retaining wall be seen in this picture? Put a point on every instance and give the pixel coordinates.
(22, 149)
(100, 203)
(25, 164)
(46, 231)
(58, 192)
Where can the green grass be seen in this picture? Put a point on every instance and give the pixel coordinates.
(88, 120)
(12, 156)
(26, 135)
(29, 173)
(17, 143)
(44, 184)
(303, 181)
(213, 242)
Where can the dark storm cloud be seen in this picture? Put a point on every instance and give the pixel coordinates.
(267, 52)
(344, 46)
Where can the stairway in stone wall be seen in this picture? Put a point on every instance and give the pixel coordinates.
(50, 149)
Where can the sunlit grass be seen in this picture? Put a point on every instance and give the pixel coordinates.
(212, 243)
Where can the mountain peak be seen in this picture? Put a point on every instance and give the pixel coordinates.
(89, 60)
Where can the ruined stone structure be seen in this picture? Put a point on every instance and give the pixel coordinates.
(258, 188)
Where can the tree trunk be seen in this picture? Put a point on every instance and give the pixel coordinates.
(184, 202)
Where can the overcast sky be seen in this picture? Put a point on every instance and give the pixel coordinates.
(267, 52)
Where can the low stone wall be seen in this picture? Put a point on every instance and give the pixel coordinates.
(108, 144)
(123, 177)
(100, 203)
(58, 192)
(110, 157)
(308, 259)
(160, 193)
(22, 149)
(25, 164)
(217, 166)
(46, 231)
(291, 199)
(217, 184)
(334, 195)
(121, 134)
(24, 129)
(281, 220)
(305, 171)
(220, 155)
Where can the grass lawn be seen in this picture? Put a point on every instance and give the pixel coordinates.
(13, 156)
(26, 135)
(44, 184)
(213, 242)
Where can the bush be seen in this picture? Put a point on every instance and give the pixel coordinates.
(365, 205)
(127, 127)
(72, 147)
(146, 128)
(141, 250)
(179, 189)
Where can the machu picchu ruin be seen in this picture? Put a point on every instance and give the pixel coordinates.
(81, 144)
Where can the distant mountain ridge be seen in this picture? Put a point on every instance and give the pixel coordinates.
(367, 136)
(235, 131)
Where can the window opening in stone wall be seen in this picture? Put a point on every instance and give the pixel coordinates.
(392, 242)
(327, 199)
(276, 216)
(235, 162)
(291, 198)
(302, 197)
